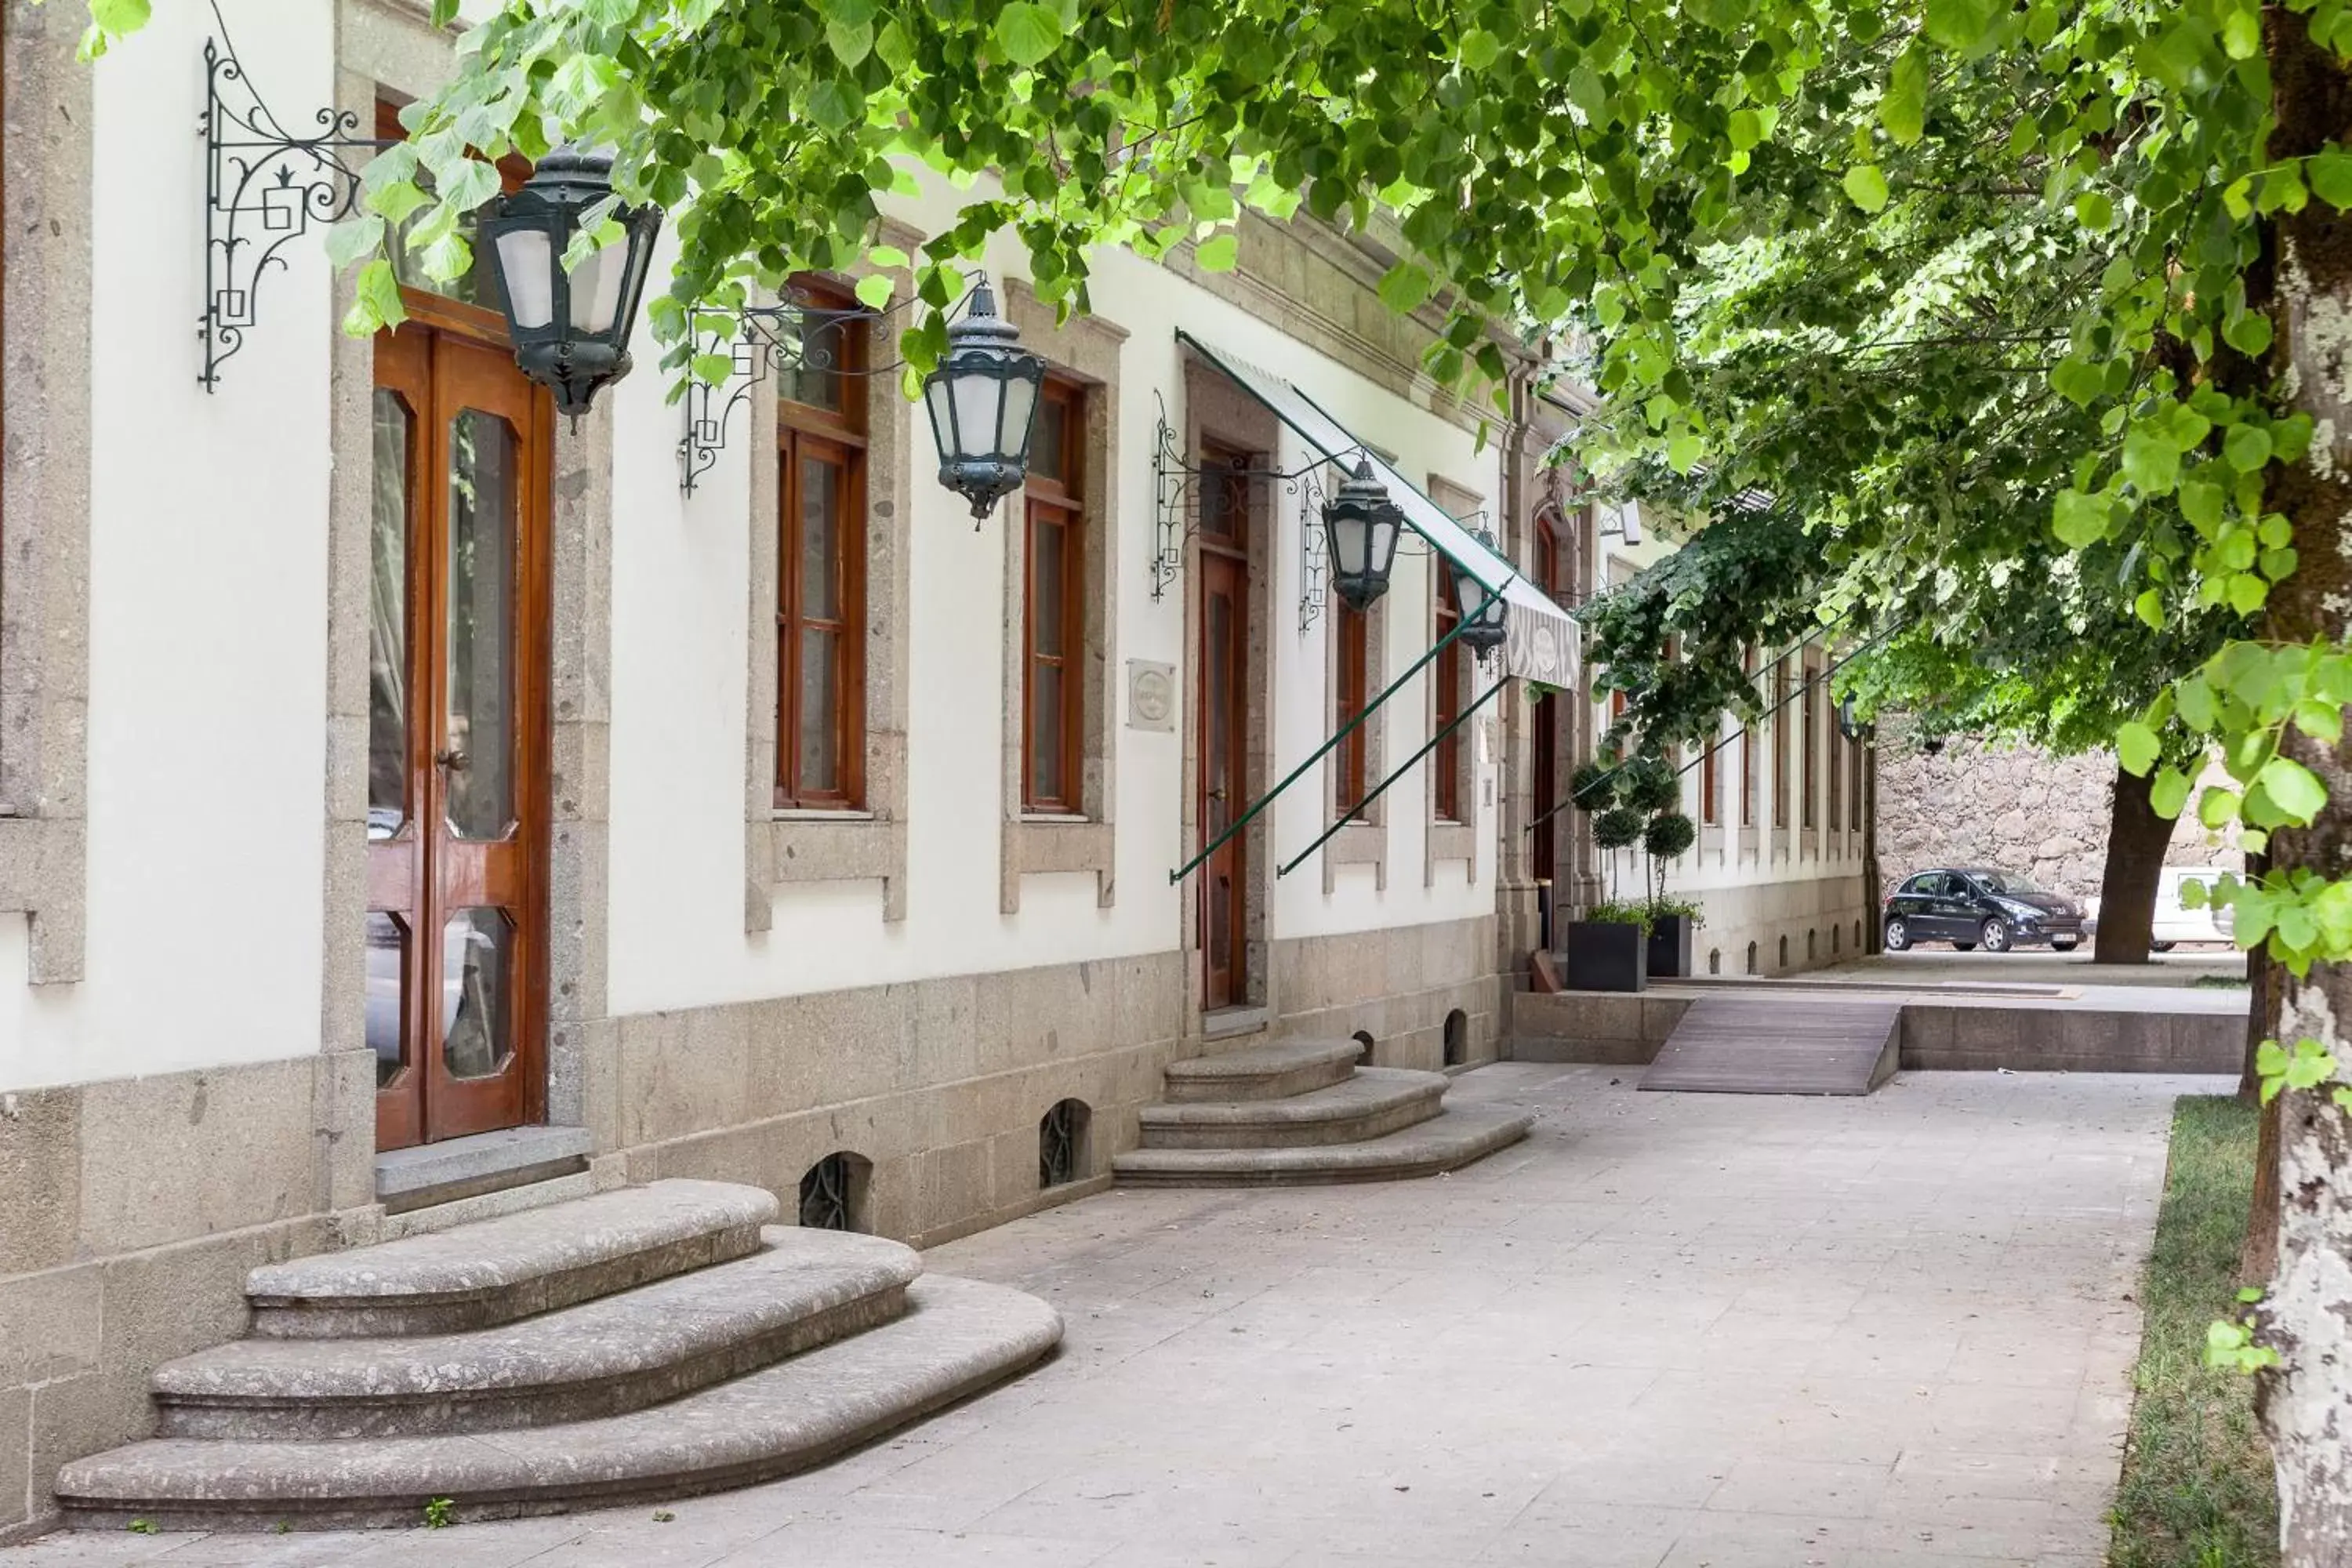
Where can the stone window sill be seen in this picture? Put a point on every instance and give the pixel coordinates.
(799, 814)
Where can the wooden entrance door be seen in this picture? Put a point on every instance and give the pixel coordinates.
(458, 742)
(1224, 728)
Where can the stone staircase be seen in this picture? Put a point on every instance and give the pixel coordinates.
(647, 1343)
(1295, 1113)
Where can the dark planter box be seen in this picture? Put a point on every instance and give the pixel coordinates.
(1670, 946)
(1606, 956)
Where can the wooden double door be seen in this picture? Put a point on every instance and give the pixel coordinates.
(1223, 663)
(457, 730)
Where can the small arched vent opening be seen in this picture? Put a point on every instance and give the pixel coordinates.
(1457, 1037)
(834, 1191)
(1061, 1153)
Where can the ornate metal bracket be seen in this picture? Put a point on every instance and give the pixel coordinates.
(1312, 593)
(1172, 482)
(794, 335)
(263, 189)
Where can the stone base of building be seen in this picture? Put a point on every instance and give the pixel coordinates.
(131, 1211)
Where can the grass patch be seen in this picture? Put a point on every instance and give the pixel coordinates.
(2197, 1488)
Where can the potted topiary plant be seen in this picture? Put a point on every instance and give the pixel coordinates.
(1666, 838)
(1607, 949)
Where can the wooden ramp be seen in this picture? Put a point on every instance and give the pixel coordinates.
(1754, 1043)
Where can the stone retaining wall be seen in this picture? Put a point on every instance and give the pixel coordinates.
(2012, 807)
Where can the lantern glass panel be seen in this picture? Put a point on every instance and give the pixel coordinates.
(940, 395)
(977, 400)
(597, 290)
(1350, 535)
(527, 266)
(1382, 534)
(1020, 405)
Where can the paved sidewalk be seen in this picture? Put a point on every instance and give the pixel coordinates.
(1666, 1331)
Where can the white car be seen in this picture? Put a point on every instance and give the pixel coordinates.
(2175, 923)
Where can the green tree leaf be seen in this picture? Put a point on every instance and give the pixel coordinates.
(2137, 748)
(2169, 793)
(1027, 33)
(2293, 789)
(1866, 186)
(1903, 108)
(1403, 287)
(2247, 446)
(1218, 253)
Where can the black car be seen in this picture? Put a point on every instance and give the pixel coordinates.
(1966, 906)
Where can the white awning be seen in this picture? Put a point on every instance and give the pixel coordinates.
(1541, 641)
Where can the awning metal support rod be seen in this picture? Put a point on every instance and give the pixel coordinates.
(1375, 792)
(1461, 625)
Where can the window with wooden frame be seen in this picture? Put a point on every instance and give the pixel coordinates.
(1446, 670)
(1054, 614)
(1856, 757)
(1837, 745)
(1812, 740)
(821, 582)
(1747, 751)
(1352, 667)
(1710, 811)
(1780, 744)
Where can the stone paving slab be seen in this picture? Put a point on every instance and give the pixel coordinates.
(1663, 1332)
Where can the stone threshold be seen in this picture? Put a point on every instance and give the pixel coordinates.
(433, 1173)
(1226, 1023)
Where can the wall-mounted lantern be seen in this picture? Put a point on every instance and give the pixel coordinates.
(1852, 727)
(1361, 530)
(571, 329)
(1480, 609)
(983, 403)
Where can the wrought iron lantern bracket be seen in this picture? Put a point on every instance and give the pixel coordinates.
(796, 333)
(1175, 516)
(263, 190)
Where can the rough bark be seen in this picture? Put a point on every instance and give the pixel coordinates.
(2305, 1402)
(2136, 841)
(2258, 1259)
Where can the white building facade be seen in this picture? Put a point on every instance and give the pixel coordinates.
(412, 799)
(414, 796)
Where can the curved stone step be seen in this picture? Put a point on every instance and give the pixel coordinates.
(957, 1338)
(606, 1357)
(494, 1271)
(1270, 1071)
(1374, 1103)
(1444, 1143)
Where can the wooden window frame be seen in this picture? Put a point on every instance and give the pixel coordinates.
(1056, 501)
(1835, 776)
(1710, 808)
(1808, 812)
(1446, 787)
(1748, 797)
(1781, 743)
(1350, 690)
(803, 427)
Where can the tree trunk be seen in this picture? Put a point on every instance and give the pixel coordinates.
(2258, 1258)
(2306, 1402)
(2136, 841)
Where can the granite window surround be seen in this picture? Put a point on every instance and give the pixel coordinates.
(1454, 838)
(869, 843)
(1085, 350)
(44, 491)
(1217, 411)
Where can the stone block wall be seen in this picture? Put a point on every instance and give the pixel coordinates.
(131, 1211)
(2012, 807)
(1399, 984)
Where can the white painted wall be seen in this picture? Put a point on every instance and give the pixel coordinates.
(207, 631)
(681, 572)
